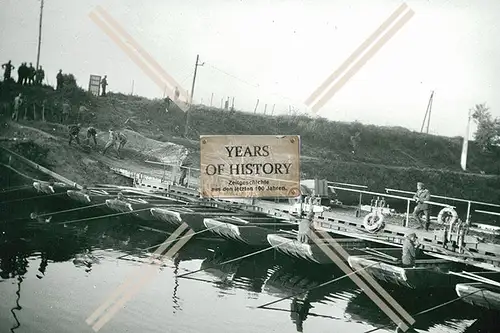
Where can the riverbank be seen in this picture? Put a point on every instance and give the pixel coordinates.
(384, 157)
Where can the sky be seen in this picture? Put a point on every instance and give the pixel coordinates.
(278, 51)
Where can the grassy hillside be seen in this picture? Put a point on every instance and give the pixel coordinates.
(385, 157)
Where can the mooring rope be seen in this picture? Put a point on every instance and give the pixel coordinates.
(71, 210)
(426, 311)
(18, 172)
(102, 216)
(35, 197)
(264, 306)
(15, 188)
(232, 260)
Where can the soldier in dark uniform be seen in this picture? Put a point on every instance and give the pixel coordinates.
(40, 75)
(104, 84)
(8, 70)
(184, 165)
(22, 73)
(59, 80)
(31, 74)
(422, 206)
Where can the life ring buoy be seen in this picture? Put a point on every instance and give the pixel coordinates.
(447, 211)
(373, 222)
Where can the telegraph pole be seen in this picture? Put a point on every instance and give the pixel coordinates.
(427, 116)
(39, 35)
(186, 129)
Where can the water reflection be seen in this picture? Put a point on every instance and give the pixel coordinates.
(269, 273)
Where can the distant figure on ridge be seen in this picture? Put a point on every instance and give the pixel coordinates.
(8, 71)
(421, 197)
(31, 74)
(22, 74)
(59, 80)
(104, 84)
(39, 76)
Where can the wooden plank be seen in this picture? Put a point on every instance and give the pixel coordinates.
(43, 169)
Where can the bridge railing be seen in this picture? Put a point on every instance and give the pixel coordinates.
(408, 200)
(470, 203)
(172, 173)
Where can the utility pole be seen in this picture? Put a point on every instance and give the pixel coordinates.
(427, 114)
(39, 35)
(186, 129)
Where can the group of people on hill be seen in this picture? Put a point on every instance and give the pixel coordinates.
(29, 75)
(26, 75)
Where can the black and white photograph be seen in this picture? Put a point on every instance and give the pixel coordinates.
(240, 166)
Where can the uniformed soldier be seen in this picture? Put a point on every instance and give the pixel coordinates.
(421, 197)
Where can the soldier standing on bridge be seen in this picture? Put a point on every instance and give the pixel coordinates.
(421, 197)
(184, 166)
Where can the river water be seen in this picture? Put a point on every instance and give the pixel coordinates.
(54, 276)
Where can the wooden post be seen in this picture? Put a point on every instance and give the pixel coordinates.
(407, 213)
(211, 99)
(232, 104)
(265, 108)
(467, 220)
(272, 112)
(256, 105)
(34, 112)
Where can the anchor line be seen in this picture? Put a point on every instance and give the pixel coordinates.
(15, 188)
(102, 216)
(427, 310)
(18, 172)
(264, 306)
(71, 210)
(234, 259)
(35, 197)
